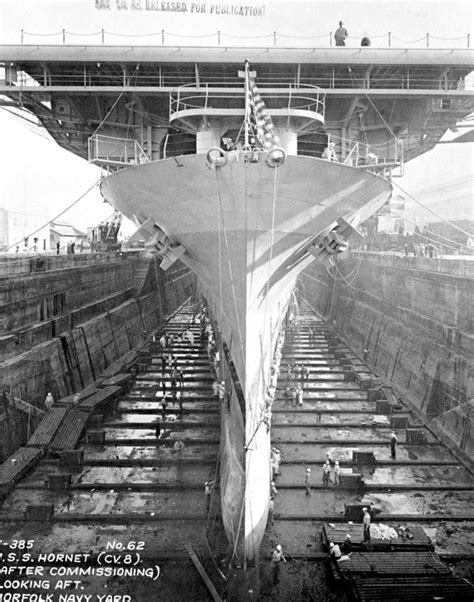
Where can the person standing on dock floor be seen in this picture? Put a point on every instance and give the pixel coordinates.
(307, 482)
(326, 473)
(276, 459)
(189, 336)
(366, 522)
(179, 400)
(208, 489)
(393, 446)
(347, 546)
(299, 394)
(164, 405)
(341, 35)
(277, 557)
(157, 428)
(271, 510)
(335, 551)
(337, 471)
(48, 402)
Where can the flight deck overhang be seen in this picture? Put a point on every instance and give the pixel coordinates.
(152, 90)
(61, 53)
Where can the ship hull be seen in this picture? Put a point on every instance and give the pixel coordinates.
(246, 229)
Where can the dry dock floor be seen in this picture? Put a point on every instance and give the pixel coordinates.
(425, 488)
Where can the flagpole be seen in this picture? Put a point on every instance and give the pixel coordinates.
(247, 105)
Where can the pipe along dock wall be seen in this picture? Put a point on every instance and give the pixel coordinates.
(62, 326)
(411, 320)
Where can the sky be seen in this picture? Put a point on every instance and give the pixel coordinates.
(304, 20)
(41, 178)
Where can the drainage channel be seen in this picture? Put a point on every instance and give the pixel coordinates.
(420, 501)
(129, 503)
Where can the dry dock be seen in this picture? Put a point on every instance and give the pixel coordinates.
(99, 478)
(95, 477)
(421, 502)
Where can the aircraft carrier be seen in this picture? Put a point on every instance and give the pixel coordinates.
(155, 118)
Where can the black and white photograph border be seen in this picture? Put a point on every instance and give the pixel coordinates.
(236, 278)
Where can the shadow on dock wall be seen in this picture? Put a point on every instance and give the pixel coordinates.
(108, 311)
(411, 324)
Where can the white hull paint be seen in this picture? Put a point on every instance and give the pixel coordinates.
(246, 228)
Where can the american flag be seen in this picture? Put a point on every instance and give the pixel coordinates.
(265, 130)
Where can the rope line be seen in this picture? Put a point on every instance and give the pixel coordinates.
(57, 33)
(372, 103)
(126, 88)
(243, 37)
(53, 219)
(226, 242)
(409, 41)
(72, 33)
(434, 212)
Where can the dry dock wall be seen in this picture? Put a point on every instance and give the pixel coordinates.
(411, 320)
(61, 326)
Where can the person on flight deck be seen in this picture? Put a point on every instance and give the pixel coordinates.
(337, 471)
(341, 35)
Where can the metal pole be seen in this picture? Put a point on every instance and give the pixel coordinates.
(64, 36)
(219, 38)
(247, 107)
(427, 40)
(163, 37)
(389, 39)
(274, 38)
(22, 32)
(103, 36)
(330, 38)
(468, 39)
